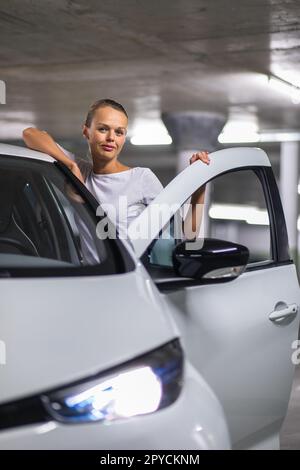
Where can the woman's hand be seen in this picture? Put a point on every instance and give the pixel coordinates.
(202, 155)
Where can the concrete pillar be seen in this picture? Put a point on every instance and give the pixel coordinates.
(289, 177)
(191, 132)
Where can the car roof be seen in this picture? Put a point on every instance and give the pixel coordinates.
(17, 151)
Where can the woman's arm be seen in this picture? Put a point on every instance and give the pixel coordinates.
(193, 219)
(43, 142)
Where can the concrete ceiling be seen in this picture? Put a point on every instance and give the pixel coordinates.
(57, 56)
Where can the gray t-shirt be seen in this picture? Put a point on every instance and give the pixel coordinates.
(124, 195)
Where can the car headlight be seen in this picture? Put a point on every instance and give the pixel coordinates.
(144, 385)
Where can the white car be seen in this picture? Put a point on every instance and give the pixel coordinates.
(92, 356)
(89, 355)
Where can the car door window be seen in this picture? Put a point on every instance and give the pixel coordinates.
(45, 224)
(235, 210)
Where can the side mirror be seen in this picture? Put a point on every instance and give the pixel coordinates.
(216, 261)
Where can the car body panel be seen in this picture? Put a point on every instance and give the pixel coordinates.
(104, 327)
(16, 151)
(245, 358)
(226, 330)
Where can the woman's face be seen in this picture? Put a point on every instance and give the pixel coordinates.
(107, 133)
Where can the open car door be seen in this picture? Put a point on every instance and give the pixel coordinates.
(237, 334)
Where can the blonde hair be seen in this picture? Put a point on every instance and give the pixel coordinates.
(102, 104)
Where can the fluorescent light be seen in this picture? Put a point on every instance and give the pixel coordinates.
(271, 136)
(242, 126)
(12, 123)
(279, 136)
(249, 214)
(238, 132)
(150, 132)
(285, 87)
(257, 217)
(151, 140)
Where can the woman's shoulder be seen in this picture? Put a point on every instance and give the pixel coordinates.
(146, 177)
(150, 185)
(143, 171)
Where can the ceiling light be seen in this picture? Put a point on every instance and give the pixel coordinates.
(150, 132)
(241, 127)
(249, 214)
(285, 87)
(238, 132)
(279, 136)
(12, 123)
(270, 136)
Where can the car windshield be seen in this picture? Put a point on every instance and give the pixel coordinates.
(46, 225)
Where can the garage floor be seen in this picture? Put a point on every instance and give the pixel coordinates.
(290, 433)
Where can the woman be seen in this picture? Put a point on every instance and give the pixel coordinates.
(106, 178)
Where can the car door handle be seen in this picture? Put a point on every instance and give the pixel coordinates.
(287, 311)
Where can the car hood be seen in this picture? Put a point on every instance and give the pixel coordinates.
(57, 330)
